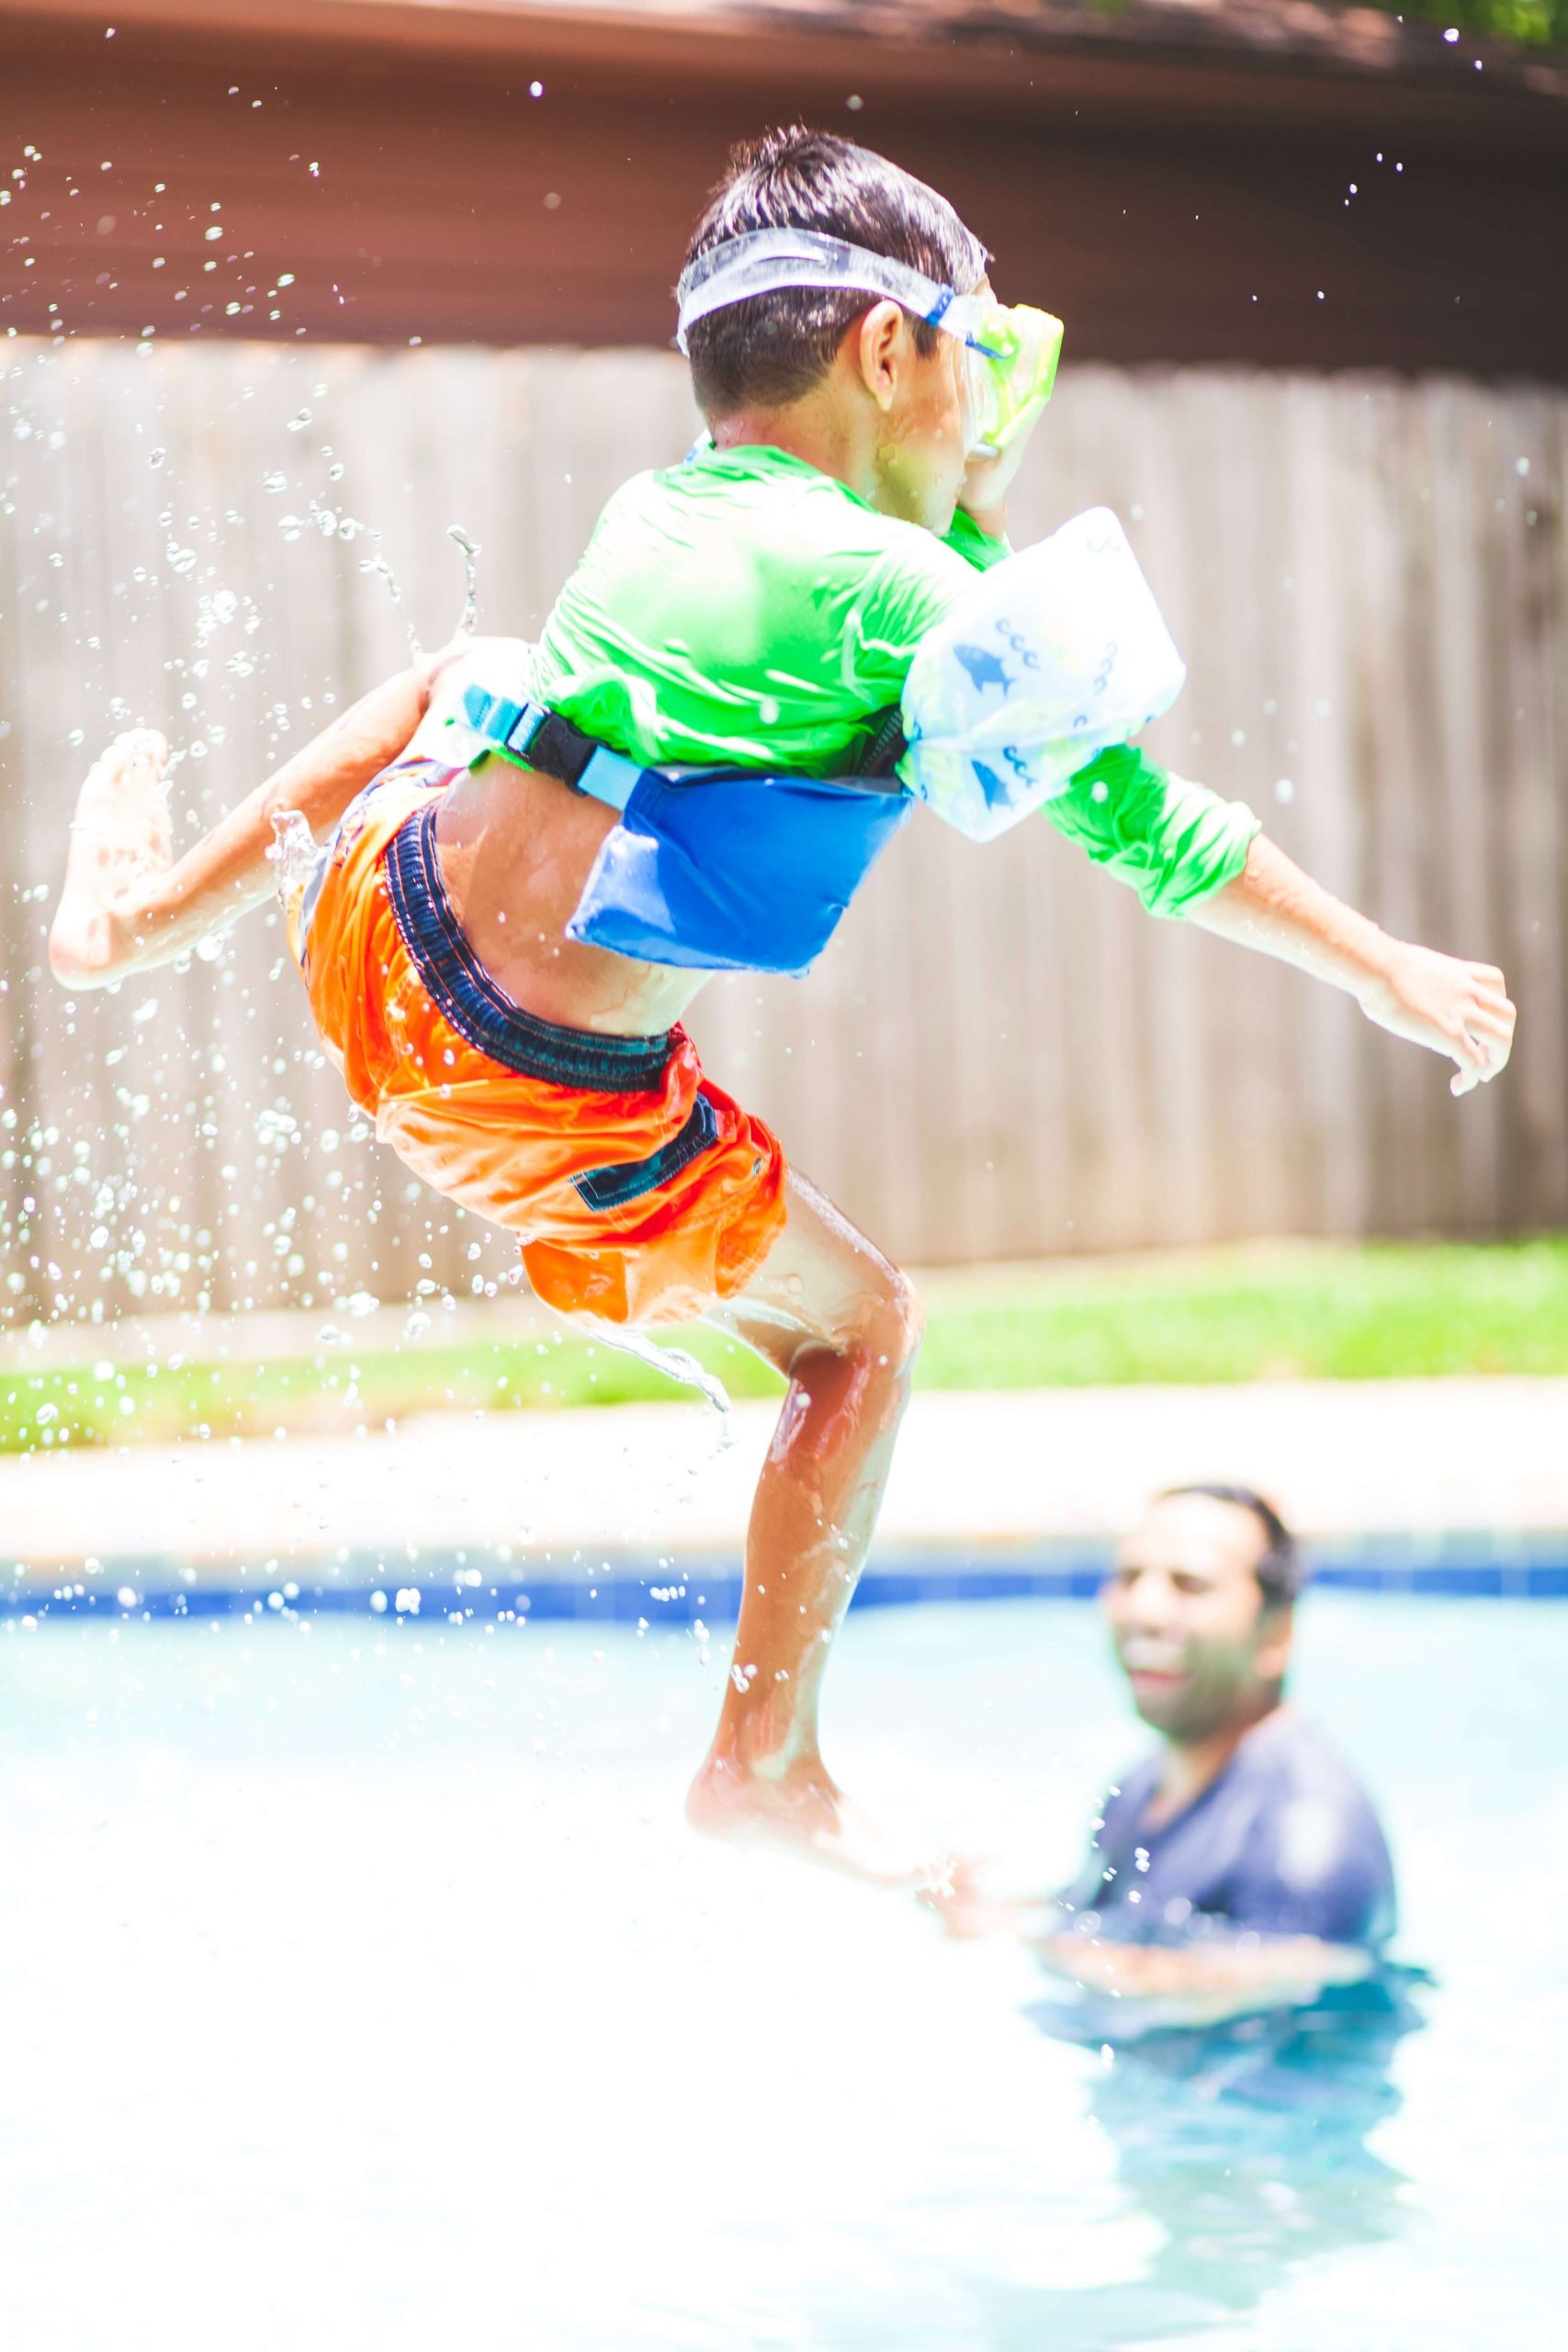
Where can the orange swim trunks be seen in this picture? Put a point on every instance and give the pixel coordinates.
(640, 1192)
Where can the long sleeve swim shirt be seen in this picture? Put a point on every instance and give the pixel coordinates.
(745, 609)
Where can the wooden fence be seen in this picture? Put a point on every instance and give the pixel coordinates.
(1000, 1055)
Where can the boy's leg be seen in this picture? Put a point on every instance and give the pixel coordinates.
(844, 1325)
(126, 907)
(119, 840)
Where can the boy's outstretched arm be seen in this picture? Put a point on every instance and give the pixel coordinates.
(1454, 1007)
(129, 905)
(1190, 855)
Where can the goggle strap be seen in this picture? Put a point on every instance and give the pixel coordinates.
(765, 261)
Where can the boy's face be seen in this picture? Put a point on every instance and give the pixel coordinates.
(921, 413)
(922, 446)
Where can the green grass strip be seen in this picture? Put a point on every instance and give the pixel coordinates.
(1384, 1311)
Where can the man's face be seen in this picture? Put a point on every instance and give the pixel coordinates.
(1187, 1617)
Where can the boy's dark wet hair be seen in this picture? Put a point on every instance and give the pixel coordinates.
(773, 348)
(1281, 1571)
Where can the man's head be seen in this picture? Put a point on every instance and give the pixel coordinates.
(1201, 1610)
(888, 382)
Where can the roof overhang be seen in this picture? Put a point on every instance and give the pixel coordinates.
(1199, 180)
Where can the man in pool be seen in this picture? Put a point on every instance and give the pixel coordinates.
(1242, 1865)
(760, 607)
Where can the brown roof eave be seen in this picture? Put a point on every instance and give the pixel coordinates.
(1045, 64)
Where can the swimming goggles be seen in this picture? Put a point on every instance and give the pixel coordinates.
(1009, 356)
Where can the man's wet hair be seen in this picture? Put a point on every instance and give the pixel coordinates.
(1281, 1571)
(773, 348)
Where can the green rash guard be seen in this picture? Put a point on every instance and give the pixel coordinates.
(744, 609)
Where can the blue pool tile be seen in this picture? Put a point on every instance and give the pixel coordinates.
(642, 1589)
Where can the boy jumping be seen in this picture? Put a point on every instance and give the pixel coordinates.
(497, 953)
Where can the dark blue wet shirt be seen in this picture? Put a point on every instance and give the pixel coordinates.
(1284, 1842)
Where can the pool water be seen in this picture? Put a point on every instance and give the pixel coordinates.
(363, 1990)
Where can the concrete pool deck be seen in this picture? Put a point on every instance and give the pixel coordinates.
(978, 1479)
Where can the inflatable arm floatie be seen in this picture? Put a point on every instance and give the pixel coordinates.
(1054, 655)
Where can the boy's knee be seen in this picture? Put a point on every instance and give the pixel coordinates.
(895, 1325)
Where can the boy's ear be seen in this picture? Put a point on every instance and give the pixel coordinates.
(880, 341)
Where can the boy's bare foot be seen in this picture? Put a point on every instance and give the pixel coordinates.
(799, 1810)
(120, 834)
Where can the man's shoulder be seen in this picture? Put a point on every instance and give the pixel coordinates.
(1289, 1756)
(1318, 1842)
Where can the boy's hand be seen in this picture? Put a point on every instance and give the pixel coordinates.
(1441, 1001)
(1015, 382)
(987, 481)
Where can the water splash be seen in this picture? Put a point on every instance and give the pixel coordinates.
(379, 566)
(293, 854)
(674, 1363)
(471, 552)
(333, 525)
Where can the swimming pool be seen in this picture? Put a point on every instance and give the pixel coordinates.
(363, 1989)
